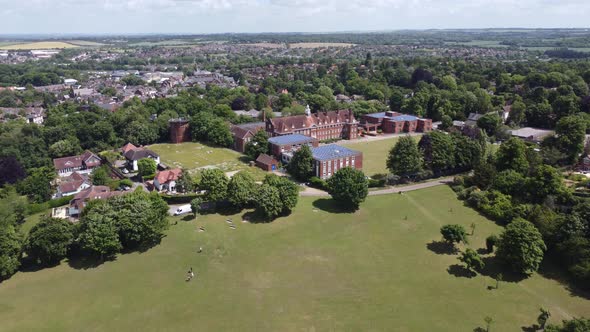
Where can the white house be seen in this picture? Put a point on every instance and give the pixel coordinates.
(73, 184)
(133, 154)
(166, 180)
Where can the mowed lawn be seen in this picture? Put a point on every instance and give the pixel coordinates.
(375, 153)
(196, 156)
(315, 270)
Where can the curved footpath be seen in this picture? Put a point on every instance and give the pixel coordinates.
(312, 192)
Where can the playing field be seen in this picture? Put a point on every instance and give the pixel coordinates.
(197, 156)
(375, 153)
(38, 45)
(379, 269)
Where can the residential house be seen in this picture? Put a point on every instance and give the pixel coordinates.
(83, 163)
(166, 180)
(322, 125)
(73, 184)
(133, 154)
(532, 134)
(395, 123)
(78, 203)
(243, 133)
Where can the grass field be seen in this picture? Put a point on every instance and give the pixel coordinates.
(378, 269)
(38, 45)
(374, 153)
(85, 43)
(196, 156)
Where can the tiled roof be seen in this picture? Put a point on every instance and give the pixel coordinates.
(290, 139)
(140, 153)
(241, 131)
(76, 161)
(296, 122)
(332, 151)
(169, 175)
(266, 159)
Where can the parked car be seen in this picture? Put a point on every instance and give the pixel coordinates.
(182, 209)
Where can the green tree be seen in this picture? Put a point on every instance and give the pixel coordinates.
(37, 186)
(185, 182)
(268, 202)
(573, 325)
(215, 183)
(454, 234)
(301, 165)
(288, 191)
(405, 158)
(490, 123)
(100, 176)
(472, 260)
(521, 247)
(349, 187)
(196, 205)
(99, 235)
(220, 134)
(10, 249)
(439, 151)
(512, 155)
(571, 131)
(543, 317)
(146, 167)
(49, 241)
(545, 181)
(257, 145)
(509, 182)
(64, 147)
(241, 190)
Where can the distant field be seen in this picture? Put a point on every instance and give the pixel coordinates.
(38, 45)
(84, 43)
(266, 45)
(197, 156)
(374, 153)
(173, 42)
(319, 45)
(479, 43)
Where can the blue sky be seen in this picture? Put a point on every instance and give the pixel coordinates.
(213, 16)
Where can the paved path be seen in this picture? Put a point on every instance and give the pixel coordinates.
(312, 192)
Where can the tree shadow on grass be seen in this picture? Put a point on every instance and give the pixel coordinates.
(482, 251)
(331, 206)
(460, 271)
(442, 248)
(479, 329)
(188, 217)
(85, 262)
(550, 269)
(493, 268)
(532, 328)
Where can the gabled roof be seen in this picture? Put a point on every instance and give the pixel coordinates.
(140, 153)
(128, 147)
(266, 159)
(296, 122)
(168, 175)
(243, 130)
(88, 158)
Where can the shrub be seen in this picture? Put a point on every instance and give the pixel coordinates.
(317, 183)
(373, 183)
(60, 201)
(491, 242)
(179, 199)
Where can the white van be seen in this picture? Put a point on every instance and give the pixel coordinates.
(182, 209)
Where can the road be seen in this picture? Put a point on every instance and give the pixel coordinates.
(312, 192)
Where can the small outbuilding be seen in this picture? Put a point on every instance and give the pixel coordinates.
(267, 163)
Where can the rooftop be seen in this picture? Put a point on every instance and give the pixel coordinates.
(290, 139)
(332, 151)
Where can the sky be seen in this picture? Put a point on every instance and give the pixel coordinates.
(217, 16)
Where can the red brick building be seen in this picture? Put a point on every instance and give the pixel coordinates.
(267, 163)
(179, 130)
(328, 159)
(243, 133)
(395, 123)
(321, 126)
